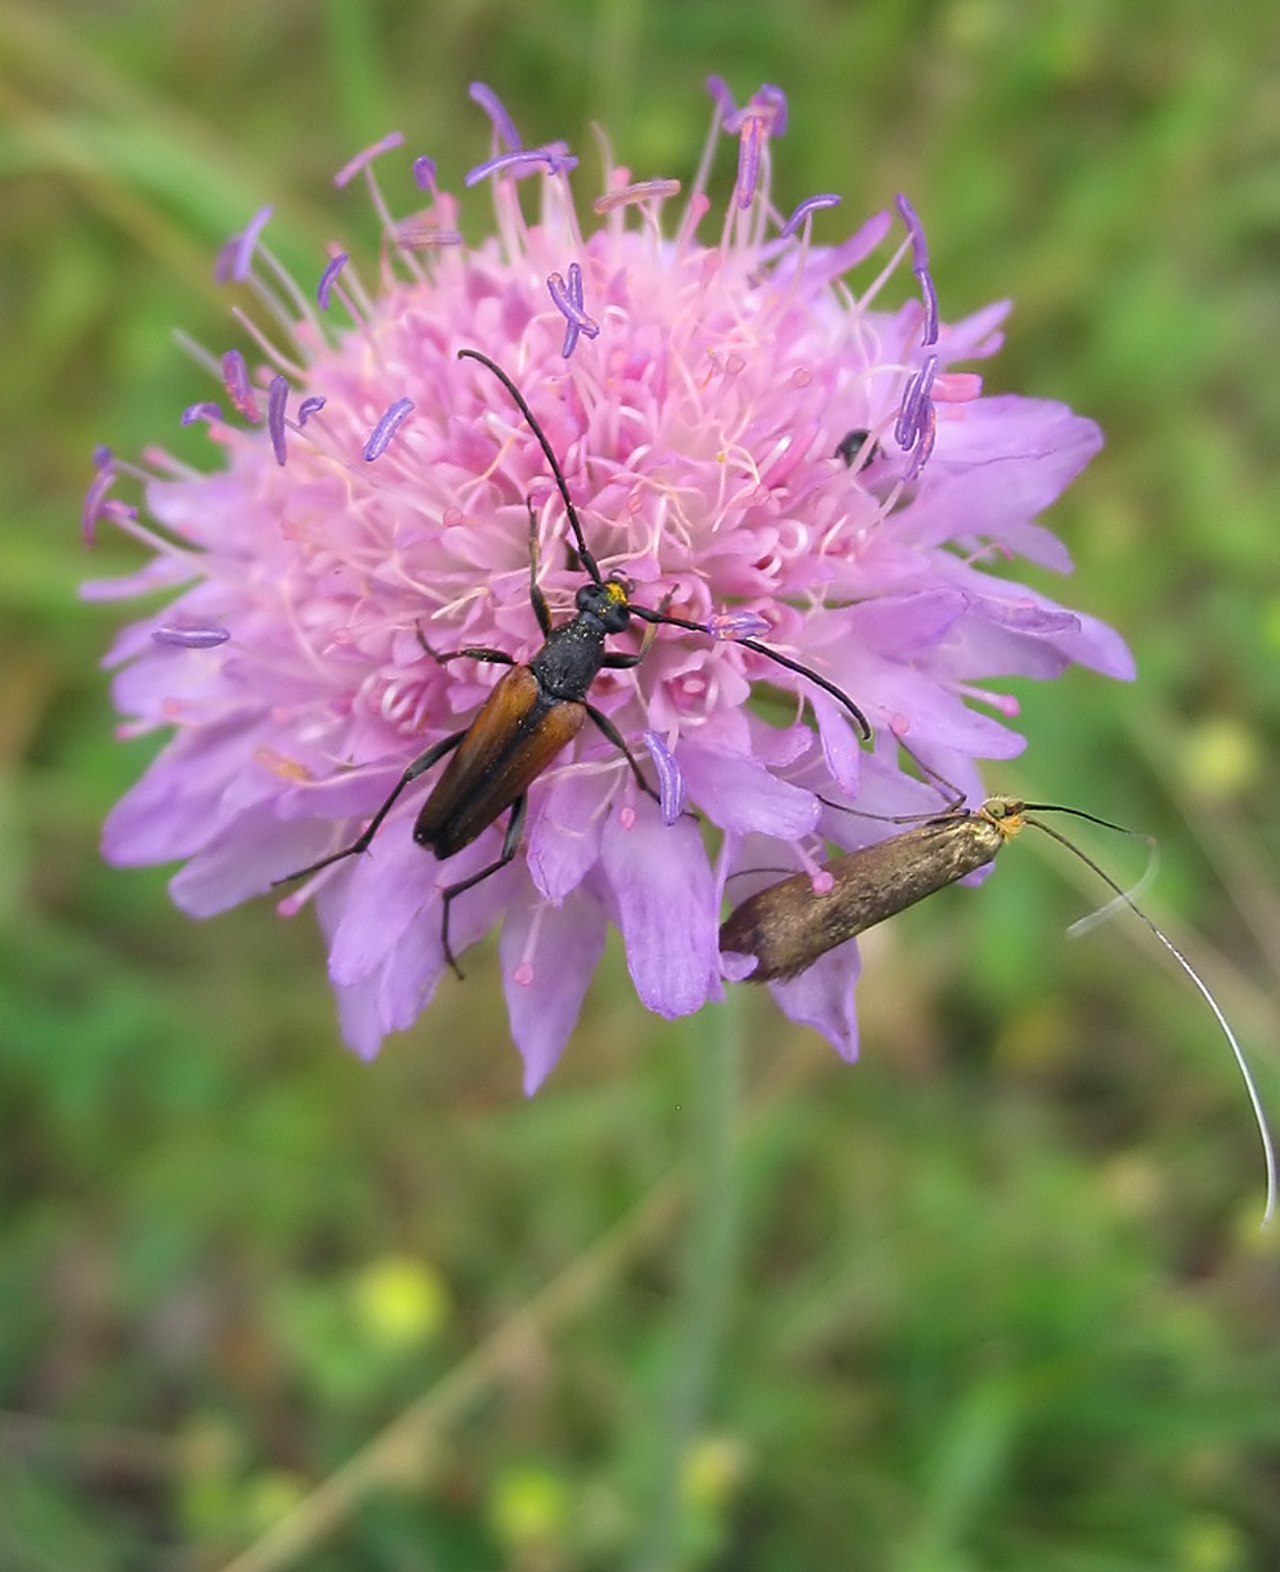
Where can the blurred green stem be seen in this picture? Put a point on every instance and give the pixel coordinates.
(714, 1046)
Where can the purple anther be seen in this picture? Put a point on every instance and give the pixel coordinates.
(929, 333)
(246, 244)
(349, 171)
(751, 140)
(94, 500)
(325, 286)
(277, 399)
(926, 435)
(569, 302)
(672, 794)
(726, 109)
(424, 173)
(188, 636)
(560, 160)
(768, 104)
(308, 407)
(554, 158)
(919, 245)
(915, 400)
(504, 126)
(726, 626)
(205, 410)
(235, 378)
(809, 205)
(381, 435)
(772, 101)
(224, 261)
(102, 456)
(920, 267)
(640, 191)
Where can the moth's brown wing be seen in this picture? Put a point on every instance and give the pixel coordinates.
(511, 741)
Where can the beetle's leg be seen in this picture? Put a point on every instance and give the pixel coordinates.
(539, 601)
(476, 652)
(419, 766)
(615, 737)
(510, 842)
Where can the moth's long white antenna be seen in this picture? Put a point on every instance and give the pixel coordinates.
(1117, 903)
(1246, 1074)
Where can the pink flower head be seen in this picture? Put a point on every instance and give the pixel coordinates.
(751, 443)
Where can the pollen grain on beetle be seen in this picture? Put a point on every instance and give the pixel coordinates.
(699, 377)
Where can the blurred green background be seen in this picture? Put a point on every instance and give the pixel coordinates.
(995, 1298)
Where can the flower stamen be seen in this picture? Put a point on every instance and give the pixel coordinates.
(235, 378)
(569, 302)
(381, 435)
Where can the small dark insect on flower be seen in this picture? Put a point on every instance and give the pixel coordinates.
(789, 926)
(851, 445)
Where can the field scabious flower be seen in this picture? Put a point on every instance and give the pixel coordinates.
(786, 459)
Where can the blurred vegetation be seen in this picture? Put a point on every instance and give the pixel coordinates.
(996, 1298)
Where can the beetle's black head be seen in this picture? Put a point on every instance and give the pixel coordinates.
(607, 603)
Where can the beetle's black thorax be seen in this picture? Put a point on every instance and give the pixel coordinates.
(567, 663)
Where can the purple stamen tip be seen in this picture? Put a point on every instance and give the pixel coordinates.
(189, 637)
(235, 378)
(308, 407)
(523, 161)
(94, 500)
(381, 435)
(362, 160)
(223, 262)
(729, 625)
(672, 794)
(102, 456)
(325, 286)
(568, 301)
(809, 205)
(919, 246)
(926, 434)
(246, 245)
(773, 101)
(277, 398)
(930, 331)
(726, 109)
(205, 410)
(752, 140)
(920, 267)
(915, 400)
(424, 173)
(503, 125)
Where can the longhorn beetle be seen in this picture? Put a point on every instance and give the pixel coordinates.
(787, 926)
(534, 711)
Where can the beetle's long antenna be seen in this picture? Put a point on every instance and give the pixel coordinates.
(580, 543)
(1246, 1074)
(863, 724)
